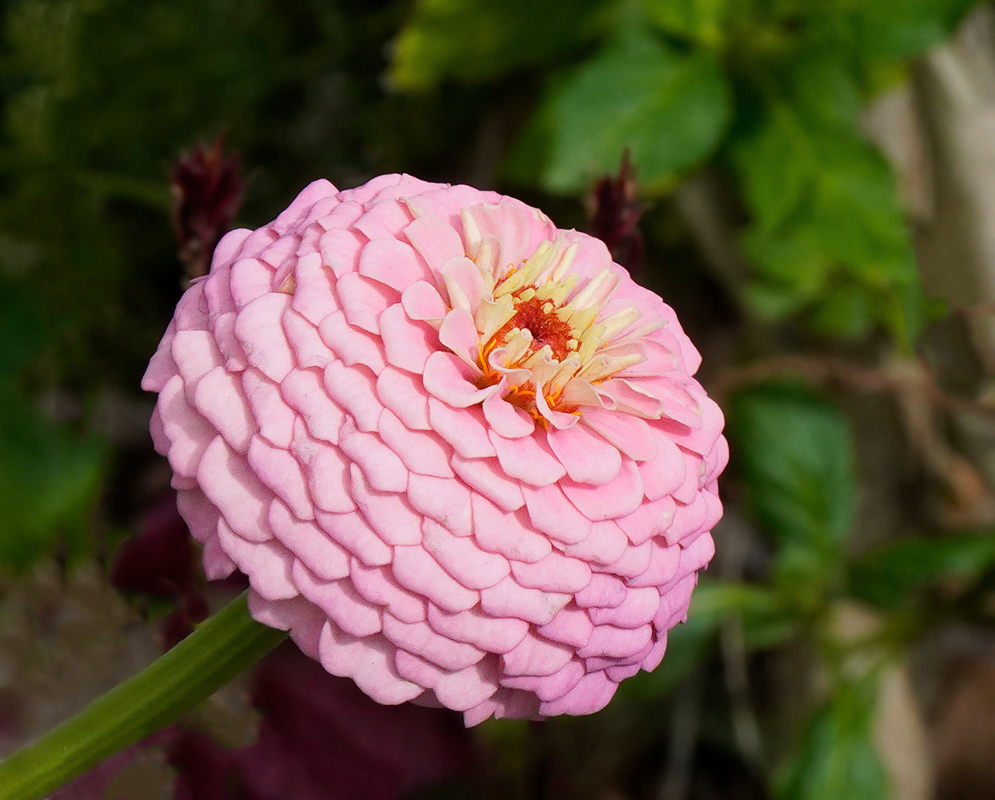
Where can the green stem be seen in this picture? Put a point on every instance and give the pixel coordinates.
(217, 651)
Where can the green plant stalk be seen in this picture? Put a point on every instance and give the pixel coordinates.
(218, 650)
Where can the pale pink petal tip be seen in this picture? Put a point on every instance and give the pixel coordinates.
(460, 455)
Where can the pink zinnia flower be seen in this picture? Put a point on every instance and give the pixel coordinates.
(457, 451)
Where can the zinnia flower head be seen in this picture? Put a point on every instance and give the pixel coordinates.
(458, 452)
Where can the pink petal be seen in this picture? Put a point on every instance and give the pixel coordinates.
(451, 381)
(548, 687)
(527, 460)
(552, 514)
(462, 559)
(199, 514)
(383, 219)
(503, 704)
(459, 333)
(363, 301)
(392, 263)
(347, 344)
(420, 639)
(571, 626)
(509, 599)
(435, 239)
(506, 420)
(688, 520)
(321, 210)
(352, 388)
(639, 608)
(259, 329)
(354, 534)
(587, 457)
(340, 250)
(323, 556)
(468, 687)
(281, 472)
(339, 600)
(257, 241)
(694, 472)
(388, 514)
(592, 693)
(217, 564)
(303, 619)
(369, 661)
(341, 217)
(218, 396)
(536, 656)
(380, 467)
(229, 247)
(224, 335)
(664, 474)
(191, 312)
(498, 531)
(195, 354)
(445, 500)
(674, 603)
(237, 493)
(655, 657)
(483, 475)
(697, 555)
(678, 403)
(304, 392)
(161, 367)
(417, 670)
(421, 453)
(493, 634)
(416, 570)
(274, 418)
(422, 301)
(554, 573)
(629, 434)
(615, 499)
(249, 278)
(465, 430)
(464, 283)
(402, 393)
(607, 641)
(187, 432)
(605, 544)
(662, 567)
(407, 345)
(266, 563)
(378, 586)
(311, 194)
(648, 520)
(313, 297)
(327, 471)
(633, 562)
(698, 440)
(604, 591)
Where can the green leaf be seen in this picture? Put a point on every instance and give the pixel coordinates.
(836, 757)
(891, 576)
(902, 29)
(828, 237)
(49, 480)
(669, 110)
(797, 457)
(697, 20)
(472, 40)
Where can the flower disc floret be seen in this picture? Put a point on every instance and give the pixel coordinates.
(458, 452)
